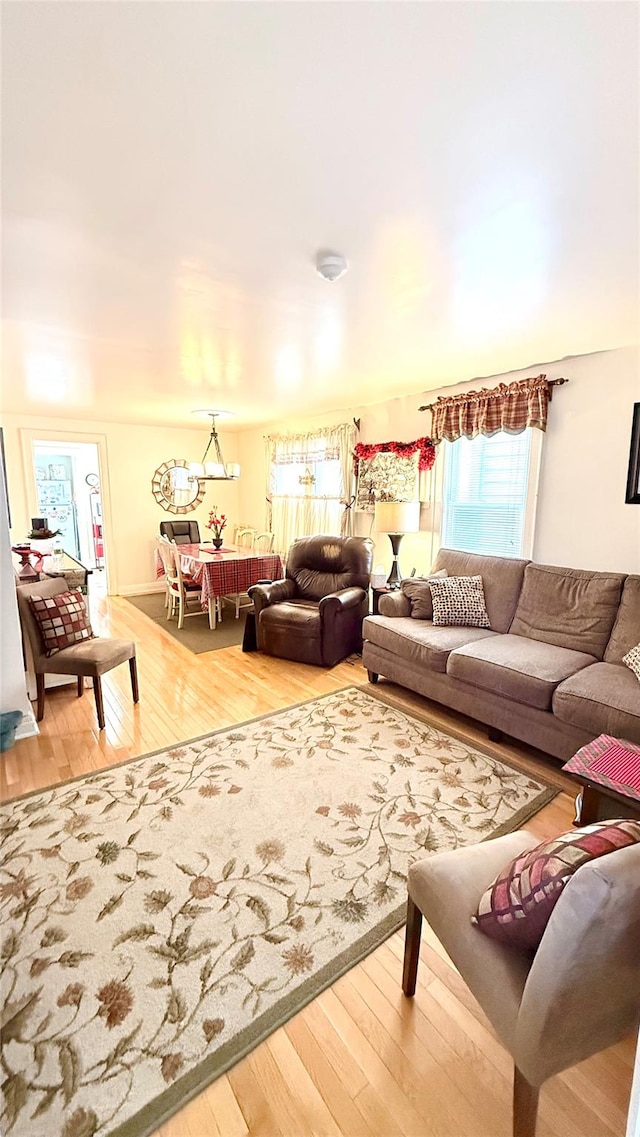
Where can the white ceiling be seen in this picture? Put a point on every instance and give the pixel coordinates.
(170, 170)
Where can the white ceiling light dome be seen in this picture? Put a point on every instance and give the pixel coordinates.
(330, 265)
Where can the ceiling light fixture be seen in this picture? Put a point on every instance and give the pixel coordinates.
(330, 265)
(218, 471)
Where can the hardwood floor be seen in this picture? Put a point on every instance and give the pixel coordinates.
(360, 1060)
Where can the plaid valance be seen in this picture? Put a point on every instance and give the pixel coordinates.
(511, 407)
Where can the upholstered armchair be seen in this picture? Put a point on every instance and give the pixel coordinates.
(578, 994)
(315, 614)
(182, 532)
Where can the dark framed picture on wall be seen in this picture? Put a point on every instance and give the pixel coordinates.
(633, 476)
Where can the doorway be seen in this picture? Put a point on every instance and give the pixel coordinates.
(69, 498)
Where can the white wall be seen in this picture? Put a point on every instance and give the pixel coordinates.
(13, 688)
(131, 513)
(582, 520)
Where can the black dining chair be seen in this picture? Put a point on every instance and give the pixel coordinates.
(182, 532)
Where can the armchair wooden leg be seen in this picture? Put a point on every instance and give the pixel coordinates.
(411, 948)
(97, 690)
(80, 686)
(40, 694)
(133, 668)
(525, 1105)
(373, 676)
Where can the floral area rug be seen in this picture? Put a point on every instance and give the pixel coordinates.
(162, 916)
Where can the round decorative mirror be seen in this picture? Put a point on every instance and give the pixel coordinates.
(175, 489)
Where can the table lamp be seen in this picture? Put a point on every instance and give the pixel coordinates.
(396, 518)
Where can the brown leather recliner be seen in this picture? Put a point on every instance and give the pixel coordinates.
(315, 614)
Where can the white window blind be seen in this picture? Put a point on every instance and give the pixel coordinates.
(486, 494)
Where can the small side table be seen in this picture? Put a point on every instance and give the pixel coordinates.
(620, 784)
(376, 593)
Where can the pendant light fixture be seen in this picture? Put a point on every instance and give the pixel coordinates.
(219, 470)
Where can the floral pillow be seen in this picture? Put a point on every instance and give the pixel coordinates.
(459, 601)
(417, 590)
(62, 620)
(632, 660)
(516, 908)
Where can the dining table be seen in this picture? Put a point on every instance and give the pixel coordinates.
(226, 571)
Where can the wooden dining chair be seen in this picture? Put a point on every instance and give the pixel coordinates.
(165, 552)
(182, 590)
(263, 543)
(245, 538)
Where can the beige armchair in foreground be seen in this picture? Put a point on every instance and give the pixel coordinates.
(578, 994)
(91, 657)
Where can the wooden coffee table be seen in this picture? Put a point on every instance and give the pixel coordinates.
(608, 769)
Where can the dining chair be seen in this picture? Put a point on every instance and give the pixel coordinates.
(182, 532)
(245, 538)
(164, 550)
(263, 543)
(182, 590)
(92, 657)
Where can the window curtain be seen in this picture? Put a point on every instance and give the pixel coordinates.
(511, 407)
(310, 484)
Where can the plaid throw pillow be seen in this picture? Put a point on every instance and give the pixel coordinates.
(63, 620)
(459, 601)
(418, 592)
(632, 660)
(516, 908)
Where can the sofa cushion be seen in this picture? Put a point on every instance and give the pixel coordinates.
(458, 601)
(417, 641)
(516, 908)
(516, 667)
(502, 579)
(301, 615)
(626, 630)
(418, 592)
(601, 699)
(569, 608)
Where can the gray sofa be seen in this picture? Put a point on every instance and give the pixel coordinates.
(548, 671)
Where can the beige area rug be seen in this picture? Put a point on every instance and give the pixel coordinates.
(163, 916)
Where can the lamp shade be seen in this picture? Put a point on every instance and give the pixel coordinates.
(397, 516)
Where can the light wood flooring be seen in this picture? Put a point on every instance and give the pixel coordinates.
(361, 1060)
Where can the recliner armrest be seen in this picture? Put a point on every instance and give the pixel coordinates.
(263, 595)
(343, 599)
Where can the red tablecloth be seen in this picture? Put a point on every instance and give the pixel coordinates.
(224, 574)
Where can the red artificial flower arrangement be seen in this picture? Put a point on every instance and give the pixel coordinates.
(426, 449)
(216, 524)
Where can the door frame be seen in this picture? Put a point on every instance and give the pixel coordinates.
(29, 435)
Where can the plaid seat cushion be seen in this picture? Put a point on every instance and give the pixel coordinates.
(458, 601)
(516, 908)
(62, 620)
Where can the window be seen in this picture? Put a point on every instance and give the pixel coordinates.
(489, 493)
(309, 482)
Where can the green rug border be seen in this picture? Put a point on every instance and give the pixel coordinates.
(153, 1115)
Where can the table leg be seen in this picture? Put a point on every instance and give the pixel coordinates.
(212, 612)
(590, 802)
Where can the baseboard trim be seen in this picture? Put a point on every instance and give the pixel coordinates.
(28, 727)
(141, 589)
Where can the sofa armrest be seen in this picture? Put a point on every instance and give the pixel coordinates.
(338, 601)
(263, 595)
(394, 604)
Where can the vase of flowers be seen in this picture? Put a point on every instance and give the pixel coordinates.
(216, 524)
